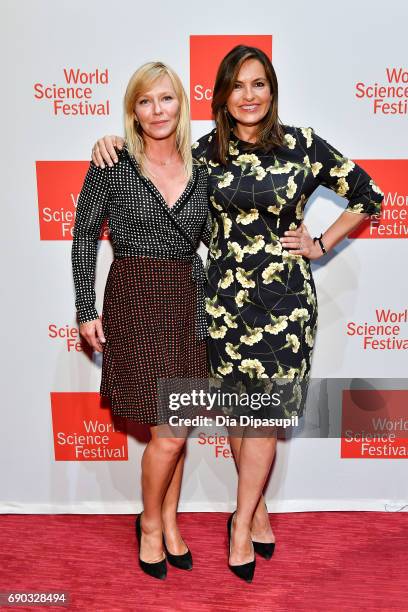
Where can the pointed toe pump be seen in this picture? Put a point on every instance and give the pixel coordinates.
(184, 561)
(264, 549)
(246, 570)
(155, 570)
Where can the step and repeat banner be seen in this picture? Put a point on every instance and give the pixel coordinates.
(65, 67)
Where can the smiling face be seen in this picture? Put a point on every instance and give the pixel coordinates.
(251, 98)
(157, 110)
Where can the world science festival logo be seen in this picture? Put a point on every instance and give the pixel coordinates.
(58, 186)
(76, 94)
(83, 431)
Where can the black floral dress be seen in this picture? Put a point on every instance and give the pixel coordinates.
(261, 300)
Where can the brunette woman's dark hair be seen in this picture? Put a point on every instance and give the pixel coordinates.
(270, 132)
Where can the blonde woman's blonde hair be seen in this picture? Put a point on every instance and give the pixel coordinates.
(138, 84)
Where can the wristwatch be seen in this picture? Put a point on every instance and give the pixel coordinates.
(320, 241)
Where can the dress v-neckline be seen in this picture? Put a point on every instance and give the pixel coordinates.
(161, 196)
(158, 194)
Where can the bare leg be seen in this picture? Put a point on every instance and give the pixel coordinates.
(261, 530)
(158, 465)
(174, 541)
(255, 460)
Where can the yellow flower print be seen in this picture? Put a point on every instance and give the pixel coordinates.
(232, 149)
(292, 187)
(247, 217)
(271, 273)
(214, 203)
(225, 368)
(375, 188)
(235, 250)
(241, 297)
(242, 277)
(213, 309)
(252, 336)
(227, 225)
(226, 280)
(342, 186)
(342, 170)
(355, 208)
(303, 267)
(215, 252)
(289, 259)
(217, 332)
(310, 297)
(290, 141)
(226, 180)
(307, 133)
(316, 167)
(247, 159)
(252, 367)
(285, 374)
(279, 324)
(275, 209)
(279, 168)
(256, 244)
(229, 321)
(258, 172)
(295, 399)
(274, 249)
(293, 226)
(231, 351)
(292, 341)
(214, 229)
(194, 145)
(299, 314)
(299, 207)
(213, 164)
(309, 337)
(303, 368)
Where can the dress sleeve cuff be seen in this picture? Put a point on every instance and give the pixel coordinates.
(87, 314)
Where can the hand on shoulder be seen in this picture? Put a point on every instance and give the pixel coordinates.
(104, 150)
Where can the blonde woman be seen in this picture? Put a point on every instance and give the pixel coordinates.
(153, 325)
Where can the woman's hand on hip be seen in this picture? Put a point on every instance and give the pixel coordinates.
(104, 150)
(93, 333)
(299, 242)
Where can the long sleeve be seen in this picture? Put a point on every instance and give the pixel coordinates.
(91, 211)
(206, 231)
(342, 175)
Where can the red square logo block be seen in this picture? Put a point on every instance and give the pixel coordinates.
(206, 53)
(58, 187)
(374, 424)
(83, 431)
(392, 177)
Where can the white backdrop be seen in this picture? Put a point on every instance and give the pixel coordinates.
(320, 52)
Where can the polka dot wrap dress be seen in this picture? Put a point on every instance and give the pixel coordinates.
(153, 311)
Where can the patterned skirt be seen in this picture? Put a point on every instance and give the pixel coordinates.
(149, 321)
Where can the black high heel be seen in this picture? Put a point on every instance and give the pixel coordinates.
(184, 561)
(246, 570)
(156, 570)
(264, 549)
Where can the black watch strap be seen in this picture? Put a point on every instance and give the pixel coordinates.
(320, 241)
